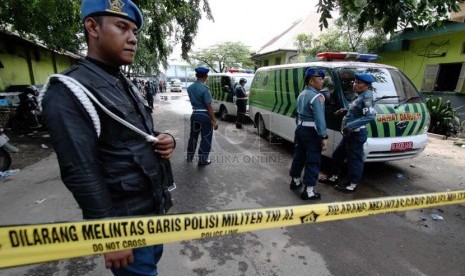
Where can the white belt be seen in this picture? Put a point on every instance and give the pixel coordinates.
(200, 110)
(306, 123)
(358, 129)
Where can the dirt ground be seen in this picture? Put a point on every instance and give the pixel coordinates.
(33, 146)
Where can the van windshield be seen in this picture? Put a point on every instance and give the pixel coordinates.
(391, 85)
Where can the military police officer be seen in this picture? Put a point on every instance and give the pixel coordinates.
(310, 135)
(111, 170)
(241, 102)
(203, 119)
(361, 111)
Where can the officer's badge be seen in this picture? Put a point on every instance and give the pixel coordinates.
(116, 6)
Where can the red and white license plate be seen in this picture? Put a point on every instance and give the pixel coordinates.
(402, 146)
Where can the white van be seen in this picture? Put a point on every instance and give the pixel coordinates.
(399, 130)
(222, 87)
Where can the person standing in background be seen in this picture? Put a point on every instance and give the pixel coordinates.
(203, 120)
(149, 93)
(241, 102)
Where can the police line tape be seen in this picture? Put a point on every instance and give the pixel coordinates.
(29, 244)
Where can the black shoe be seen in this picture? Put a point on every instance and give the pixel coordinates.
(189, 159)
(294, 186)
(346, 188)
(239, 126)
(204, 163)
(305, 196)
(328, 181)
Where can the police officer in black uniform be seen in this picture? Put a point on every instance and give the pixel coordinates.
(241, 102)
(116, 173)
(311, 137)
(361, 112)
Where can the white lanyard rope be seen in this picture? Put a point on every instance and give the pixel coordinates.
(83, 95)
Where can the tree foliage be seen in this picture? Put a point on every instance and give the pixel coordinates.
(58, 25)
(444, 118)
(392, 14)
(344, 36)
(223, 55)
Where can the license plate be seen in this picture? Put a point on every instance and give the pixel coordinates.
(402, 146)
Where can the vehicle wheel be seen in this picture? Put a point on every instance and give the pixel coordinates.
(224, 113)
(5, 160)
(262, 131)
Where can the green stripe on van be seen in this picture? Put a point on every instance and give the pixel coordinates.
(391, 128)
(282, 90)
(299, 85)
(275, 89)
(411, 125)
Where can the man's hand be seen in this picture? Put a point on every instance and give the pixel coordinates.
(215, 124)
(345, 132)
(118, 259)
(324, 144)
(341, 112)
(165, 145)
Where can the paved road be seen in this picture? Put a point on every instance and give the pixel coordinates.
(248, 172)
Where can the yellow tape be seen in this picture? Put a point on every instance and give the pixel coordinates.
(28, 244)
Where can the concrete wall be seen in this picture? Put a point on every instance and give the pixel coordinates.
(426, 51)
(27, 63)
(271, 58)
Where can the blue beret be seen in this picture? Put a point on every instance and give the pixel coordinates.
(365, 77)
(121, 8)
(202, 70)
(314, 72)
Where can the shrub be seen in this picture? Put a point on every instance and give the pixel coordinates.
(444, 118)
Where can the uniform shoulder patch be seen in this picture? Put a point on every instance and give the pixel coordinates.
(367, 103)
(321, 99)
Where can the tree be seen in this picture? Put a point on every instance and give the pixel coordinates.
(344, 36)
(392, 14)
(58, 25)
(223, 55)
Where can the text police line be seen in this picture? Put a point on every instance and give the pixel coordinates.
(105, 230)
(28, 244)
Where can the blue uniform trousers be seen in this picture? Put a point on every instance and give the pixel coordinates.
(350, 148)
(145, 262)
(307, 152)
(200, 124)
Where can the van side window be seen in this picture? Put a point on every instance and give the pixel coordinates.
(347, 78)
(256, 79)
(265, 80)
(328, 88)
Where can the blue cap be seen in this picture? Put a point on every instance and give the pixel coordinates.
(365, 77)
(202, 70)
(121, 8)
(314, 72)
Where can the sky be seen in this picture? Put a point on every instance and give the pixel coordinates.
(252, 22)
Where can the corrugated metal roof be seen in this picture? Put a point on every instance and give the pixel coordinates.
(40, 44)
